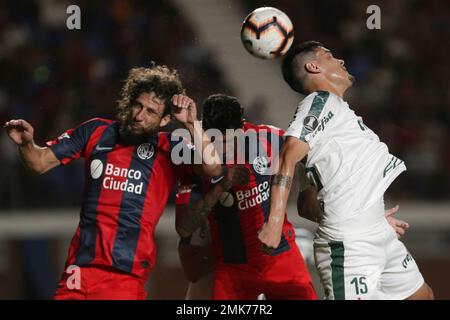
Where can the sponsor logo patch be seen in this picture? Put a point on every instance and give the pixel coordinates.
(310, 123)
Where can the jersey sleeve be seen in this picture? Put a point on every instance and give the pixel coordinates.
(309, 117)
(72, 143)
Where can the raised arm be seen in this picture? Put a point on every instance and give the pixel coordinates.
(186, 113)
(36, 158)
(293, 150)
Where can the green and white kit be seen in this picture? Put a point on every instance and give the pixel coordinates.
(357, 253)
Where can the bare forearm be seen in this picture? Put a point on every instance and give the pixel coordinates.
(33, 157)
(308, 206)
(196, 261)
(210, 159)
(281, 186)
(293, 150)
(199, 211)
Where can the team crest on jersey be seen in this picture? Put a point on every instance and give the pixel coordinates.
(261, 164)
(146, 151)
(310, 123)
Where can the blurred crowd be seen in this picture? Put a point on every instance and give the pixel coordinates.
(57, 78)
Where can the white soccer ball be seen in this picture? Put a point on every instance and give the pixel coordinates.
(267, 33)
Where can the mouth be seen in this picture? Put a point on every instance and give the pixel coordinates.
(134, 126)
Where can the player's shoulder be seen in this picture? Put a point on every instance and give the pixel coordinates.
(164, 140)
(318, 97)
(263, 127)
(97, 122)
(315, 102)
(89, 127)
(172, 139)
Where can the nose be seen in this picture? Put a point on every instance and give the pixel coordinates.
(341, 62)
(139, 116)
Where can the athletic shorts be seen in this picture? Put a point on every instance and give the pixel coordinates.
(376, 266)
(99, 283)
(281, 277)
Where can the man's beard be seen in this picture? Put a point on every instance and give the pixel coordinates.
(132, 138)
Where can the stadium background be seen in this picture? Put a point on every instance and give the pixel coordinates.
(56, 78)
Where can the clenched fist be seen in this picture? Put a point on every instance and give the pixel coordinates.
(19, 131)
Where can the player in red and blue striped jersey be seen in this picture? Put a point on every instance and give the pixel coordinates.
(242, 270)
(128, 177)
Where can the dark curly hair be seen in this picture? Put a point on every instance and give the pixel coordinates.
(159, 79)
(293, 64)
(222, 112)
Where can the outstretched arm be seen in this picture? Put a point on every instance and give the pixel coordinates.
(293, 150)
(36, 158)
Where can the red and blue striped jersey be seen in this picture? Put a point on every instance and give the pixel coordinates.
(126, 190)
(237, 217)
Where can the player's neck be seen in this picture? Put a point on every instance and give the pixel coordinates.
(330, 87)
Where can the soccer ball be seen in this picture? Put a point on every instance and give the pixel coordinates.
(267, 33)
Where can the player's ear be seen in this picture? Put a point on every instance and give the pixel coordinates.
(312, 67)
(165, 120)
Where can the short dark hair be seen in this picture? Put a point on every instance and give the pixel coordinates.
(222, 112)
(160, 79)
(290, 66)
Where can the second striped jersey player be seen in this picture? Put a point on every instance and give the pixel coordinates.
(242, 270)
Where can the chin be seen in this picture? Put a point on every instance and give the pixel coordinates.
(351, 78)
(135, 136)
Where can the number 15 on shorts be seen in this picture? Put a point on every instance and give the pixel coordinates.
(359, 284)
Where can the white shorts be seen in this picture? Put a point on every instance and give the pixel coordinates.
(373, 267)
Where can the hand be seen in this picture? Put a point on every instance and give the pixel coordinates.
(237, 175)
(185, 109)
(270, 235)
(398, 225)
(19, 131)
